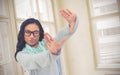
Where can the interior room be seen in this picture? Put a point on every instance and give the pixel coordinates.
(94, 48)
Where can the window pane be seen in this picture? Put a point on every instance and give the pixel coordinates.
(3, 11)
(101, 7)
(108, 33)
(6, 65)
(18, 25)
(45, 10)
(50, 14)
(49, 28)
(4, 42)
(106, 29)
(26, 8)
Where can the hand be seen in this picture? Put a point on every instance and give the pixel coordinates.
(52, 45)
(70, 17)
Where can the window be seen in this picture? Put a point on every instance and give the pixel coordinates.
(6, 63)
(45, 10)
(3, 8)
(25, 9)
(105, 21)
(7, 66)
(39, 9)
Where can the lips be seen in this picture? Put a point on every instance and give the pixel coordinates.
(32, 41)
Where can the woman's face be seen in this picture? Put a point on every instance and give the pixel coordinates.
(31, 34)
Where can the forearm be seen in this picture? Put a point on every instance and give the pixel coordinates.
(65, 31)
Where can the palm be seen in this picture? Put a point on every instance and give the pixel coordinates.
(53, 46)
(70, 17)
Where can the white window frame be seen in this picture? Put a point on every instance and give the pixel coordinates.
(93, 19)
(49, 24)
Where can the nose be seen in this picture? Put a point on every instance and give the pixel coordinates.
(32, 35)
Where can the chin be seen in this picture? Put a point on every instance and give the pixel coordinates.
(33, 44)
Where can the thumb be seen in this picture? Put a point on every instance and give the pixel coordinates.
(71, 27)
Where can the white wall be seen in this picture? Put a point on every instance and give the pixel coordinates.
(78, 54)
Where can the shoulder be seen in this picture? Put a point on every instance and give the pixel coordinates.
(21, 54)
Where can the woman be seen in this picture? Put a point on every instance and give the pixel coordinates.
(38, 52)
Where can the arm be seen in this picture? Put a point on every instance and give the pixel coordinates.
(54, 45)
(65, 31)
(35, 61)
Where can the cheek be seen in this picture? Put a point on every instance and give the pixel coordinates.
(26, 39)
(37, 38)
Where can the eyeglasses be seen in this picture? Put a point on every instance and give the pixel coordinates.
(28, 33)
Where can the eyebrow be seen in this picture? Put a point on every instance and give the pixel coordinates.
(31, 31)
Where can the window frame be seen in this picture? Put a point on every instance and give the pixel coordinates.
(94, 36)
(53, 23)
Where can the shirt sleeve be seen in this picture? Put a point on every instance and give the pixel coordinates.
(35, 61)
(65, 31)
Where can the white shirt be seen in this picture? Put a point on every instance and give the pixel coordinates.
(44, 63)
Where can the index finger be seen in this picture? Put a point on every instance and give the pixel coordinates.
(48, 37)
(69, 11)
(65, 12)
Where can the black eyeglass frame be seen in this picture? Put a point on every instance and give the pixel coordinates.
(28, 33)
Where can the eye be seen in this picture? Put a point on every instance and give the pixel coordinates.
(36, 32)
(28, 32)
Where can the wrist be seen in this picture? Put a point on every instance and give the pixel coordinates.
(57, 52)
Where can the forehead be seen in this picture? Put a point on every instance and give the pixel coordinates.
(31, 27)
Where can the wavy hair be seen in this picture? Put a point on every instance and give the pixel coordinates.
(21, 42)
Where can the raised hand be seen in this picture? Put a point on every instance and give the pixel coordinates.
(70, 17)
(53, 46)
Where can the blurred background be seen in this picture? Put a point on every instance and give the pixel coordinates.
(94, 49)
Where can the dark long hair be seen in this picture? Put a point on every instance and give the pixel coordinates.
(21, 42)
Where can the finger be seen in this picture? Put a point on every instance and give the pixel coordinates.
(71, 24)
(45, 45)
(64, 13)
(52, 48)
(66, 17)
(48, 38)
(48, 42)
(71, 29)
(69, 11)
